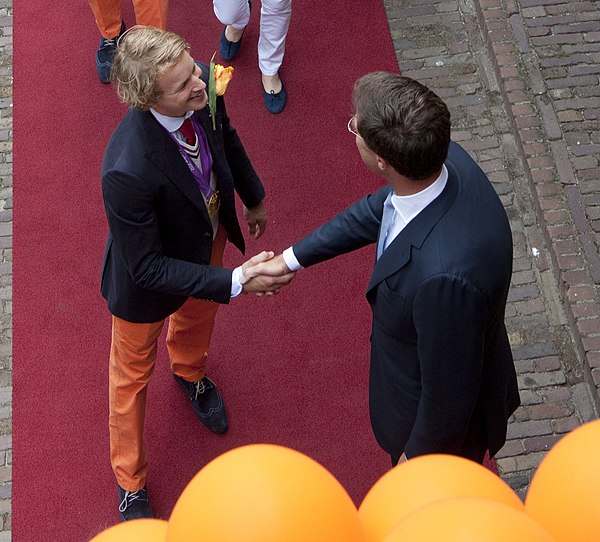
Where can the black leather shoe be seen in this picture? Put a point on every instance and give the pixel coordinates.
(275, 101)
(207, 403)
(134, 504)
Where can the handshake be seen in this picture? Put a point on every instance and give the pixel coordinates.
(265, 274)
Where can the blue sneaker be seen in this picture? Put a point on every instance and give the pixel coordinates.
(105, 55)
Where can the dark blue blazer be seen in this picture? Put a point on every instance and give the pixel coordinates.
(442, 377)
(159, 244)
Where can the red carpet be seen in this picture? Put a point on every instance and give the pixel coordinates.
(293, 369)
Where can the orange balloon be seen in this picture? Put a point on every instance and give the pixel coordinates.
(137, 530)
(423, 480)
(564, 494)
(468, 519)
(264, 493)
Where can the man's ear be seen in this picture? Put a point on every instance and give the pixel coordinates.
(381, 163)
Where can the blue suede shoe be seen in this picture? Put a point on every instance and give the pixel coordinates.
(105, 55)
(275, 102)
(230, 49)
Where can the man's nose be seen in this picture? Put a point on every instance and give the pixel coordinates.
(198, 83)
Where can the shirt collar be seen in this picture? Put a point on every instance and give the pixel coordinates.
(171, 124)
(410, 206)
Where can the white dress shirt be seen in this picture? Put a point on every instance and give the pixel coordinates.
(408, 207)
(171, 124)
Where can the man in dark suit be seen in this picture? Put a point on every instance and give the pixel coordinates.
(168, 180)
(442, 378)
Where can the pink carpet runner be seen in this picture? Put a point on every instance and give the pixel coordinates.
(293, 369)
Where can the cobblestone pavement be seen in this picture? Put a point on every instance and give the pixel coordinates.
(521, 78)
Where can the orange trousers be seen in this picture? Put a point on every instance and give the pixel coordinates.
(147, 12)
(132, 357)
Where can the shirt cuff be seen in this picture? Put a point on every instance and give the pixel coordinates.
(236, 285)
(290, 259)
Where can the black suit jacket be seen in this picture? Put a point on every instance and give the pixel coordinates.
(160, 235)
(441, 366)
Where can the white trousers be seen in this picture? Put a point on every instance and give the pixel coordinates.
(275, 18)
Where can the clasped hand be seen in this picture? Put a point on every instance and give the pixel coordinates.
(265, 274)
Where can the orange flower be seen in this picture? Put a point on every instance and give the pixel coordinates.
(222, 77)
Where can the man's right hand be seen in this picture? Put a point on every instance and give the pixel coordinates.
(272, 267)
(265, 275)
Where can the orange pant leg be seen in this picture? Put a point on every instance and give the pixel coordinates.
(147, 12)
(191, 327)
(108, 16)
(151, 12)
(132, 358)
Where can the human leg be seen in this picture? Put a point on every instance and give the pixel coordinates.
(131, 363)
(275, 16)
(234, 14)
(190, 327)
(151, 12)
(274, 24)
(188, 339)
(110, 24)
(108, 17)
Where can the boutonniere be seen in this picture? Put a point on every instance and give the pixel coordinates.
(217, 85)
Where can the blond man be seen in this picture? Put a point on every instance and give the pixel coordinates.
(169, 181)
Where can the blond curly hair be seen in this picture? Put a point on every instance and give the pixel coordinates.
(143, 53)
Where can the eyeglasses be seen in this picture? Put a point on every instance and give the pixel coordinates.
(352, 127)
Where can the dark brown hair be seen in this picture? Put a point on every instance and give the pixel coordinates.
(403, 122)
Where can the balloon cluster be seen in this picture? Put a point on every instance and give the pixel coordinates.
(270, 493)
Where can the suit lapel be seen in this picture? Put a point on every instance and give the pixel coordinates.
(205, 121)
(398, 253)
(165, 155)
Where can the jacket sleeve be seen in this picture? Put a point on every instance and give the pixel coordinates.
(136, 237)
(245, 179)
(353, 228)
(449, 315)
